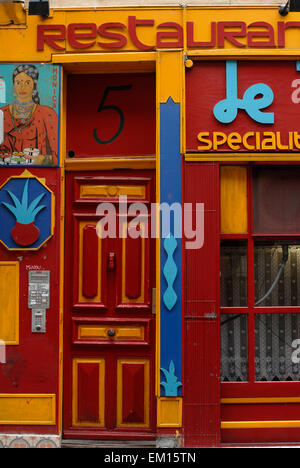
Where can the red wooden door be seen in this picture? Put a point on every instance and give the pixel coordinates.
(109, 322)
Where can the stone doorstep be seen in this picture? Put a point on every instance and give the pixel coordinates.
(73, 443)
(55, 441)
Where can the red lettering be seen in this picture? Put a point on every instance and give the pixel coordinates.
(178, 34)
(132, 25)
(74, 36)
(190, 36)
(281, 33)
(121, 40)
(169, 34)
(230, 35)
(282, 26)
(50, 39)
(269, 34)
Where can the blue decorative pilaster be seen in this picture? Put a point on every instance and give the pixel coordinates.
(170, 252)
(170, 272)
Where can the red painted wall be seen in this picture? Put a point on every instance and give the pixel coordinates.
(120, 118)
(201, 402)
(33, 366)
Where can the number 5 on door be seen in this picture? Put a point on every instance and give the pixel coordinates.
(102, 108)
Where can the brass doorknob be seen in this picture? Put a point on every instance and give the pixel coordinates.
(111, 333)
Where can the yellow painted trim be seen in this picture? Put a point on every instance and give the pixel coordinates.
(183, 108)
(25, 35)
(233, 197)
(172, 77)
(9, 298)
(75, 422)
(28, 409)
(122, 332)
(120, 391)
(63, 106)
(232, 54)
(258, 424)
(112, 191)
(119, 57)
(245, 401)
(158, 240)
(118, 8)
(81, 297)
(12, 12)
(234, 7)
(169, 412)
(61, 301)
(107, 164)
(141, 299)
(235, 157)
(27, 175)
(62, 251)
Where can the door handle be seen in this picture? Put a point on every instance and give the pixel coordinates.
(111, 264)
(111, 333)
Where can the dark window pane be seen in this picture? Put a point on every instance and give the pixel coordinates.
(233, 274)
(276, 200)
(275, 336)
(234, 348)
(277, 274)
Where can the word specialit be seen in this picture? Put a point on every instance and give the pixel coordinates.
(250, 141)
(115, 35)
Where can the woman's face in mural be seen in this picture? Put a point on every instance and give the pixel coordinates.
(24, 86)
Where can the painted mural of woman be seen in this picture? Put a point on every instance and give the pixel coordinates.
(30, 129)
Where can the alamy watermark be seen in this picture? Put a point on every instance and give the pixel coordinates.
(296, 354)
(142, 220)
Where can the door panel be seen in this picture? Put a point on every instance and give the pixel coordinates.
(133, 332)
(133, 393)
(90, 262)
(109, 326)
(133, 283)
(89, 268)
(88, 392)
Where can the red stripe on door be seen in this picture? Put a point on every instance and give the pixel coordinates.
(90, 262)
